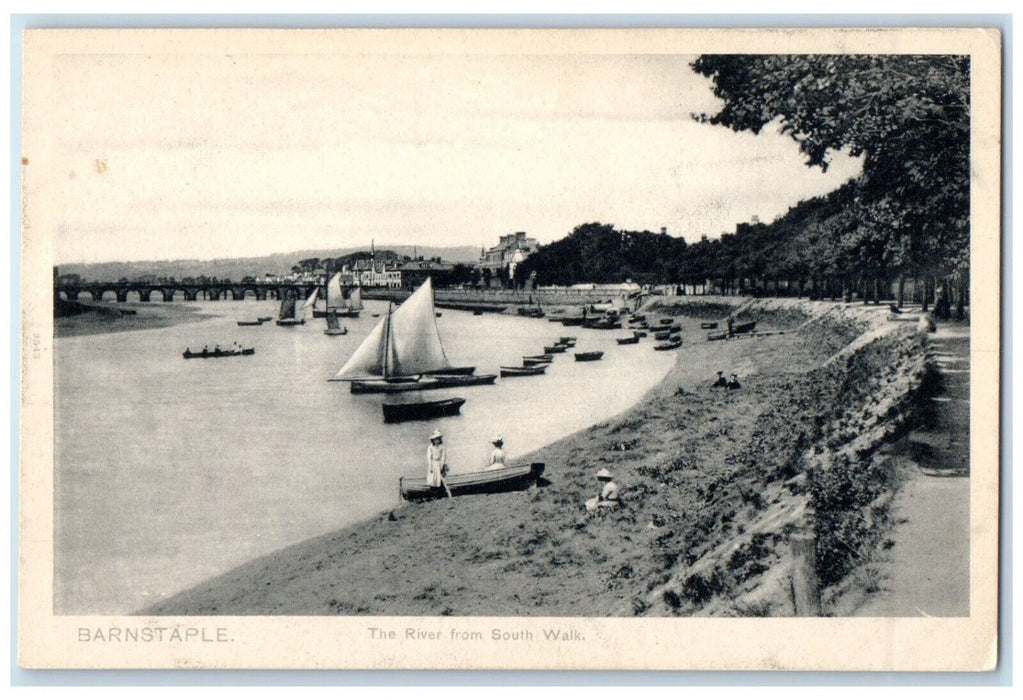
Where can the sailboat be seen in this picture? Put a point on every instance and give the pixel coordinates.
(334, 326)
(344, 303)
(403, 352)
(291, 314)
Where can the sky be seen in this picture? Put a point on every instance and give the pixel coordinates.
(163, 156)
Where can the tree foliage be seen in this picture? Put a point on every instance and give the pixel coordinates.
(907, 115)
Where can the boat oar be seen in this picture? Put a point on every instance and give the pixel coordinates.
(445, 485)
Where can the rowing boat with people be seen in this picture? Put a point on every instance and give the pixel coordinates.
(515, 477)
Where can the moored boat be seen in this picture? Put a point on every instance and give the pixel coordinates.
(421, 410)
(524, 371)
(588, 356)
(517, 476)
(572, 321)
(633, 340)
(717, 335)
(250, 323)
(746, 327)
(334, 326)
(532, 361)
(554, 348)
(662, 335)
(404, 353)
(669, 346)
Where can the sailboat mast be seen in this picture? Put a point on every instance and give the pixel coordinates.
(387, 339)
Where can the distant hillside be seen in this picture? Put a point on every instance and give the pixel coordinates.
(237, 268)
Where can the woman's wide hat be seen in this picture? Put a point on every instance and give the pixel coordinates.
(436, 435)
(604, 474)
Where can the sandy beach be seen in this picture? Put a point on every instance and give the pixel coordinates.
(713, 484)
(126, 316)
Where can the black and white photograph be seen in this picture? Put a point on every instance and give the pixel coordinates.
(525, 348)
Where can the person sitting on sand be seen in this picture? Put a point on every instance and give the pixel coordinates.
(733, 383)
(608, 497)
(497, 457)
(436, 460)
(721, 381)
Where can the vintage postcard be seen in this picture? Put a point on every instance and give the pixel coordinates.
(510, 349)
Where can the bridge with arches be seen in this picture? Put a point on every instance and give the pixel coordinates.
(180, 291)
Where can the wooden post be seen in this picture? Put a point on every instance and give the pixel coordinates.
(806, 594)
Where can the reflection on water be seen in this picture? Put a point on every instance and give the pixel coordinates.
(171, 471)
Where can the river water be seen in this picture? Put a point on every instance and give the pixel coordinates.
(169, 471)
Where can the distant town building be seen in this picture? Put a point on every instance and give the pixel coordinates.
(369, 273)
(510, 250)
(415, 272)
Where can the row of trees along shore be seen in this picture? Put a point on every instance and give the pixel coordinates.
(904, 217)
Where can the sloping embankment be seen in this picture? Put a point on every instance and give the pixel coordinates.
(714, 484)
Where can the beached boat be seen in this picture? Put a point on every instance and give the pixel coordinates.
(250, 323)
(717, 335)
(669, 346)
(572, 321)
(291, 314)
(216, 353)
(404, 353)
(515, 477)
(628, 341)
(588, 356)
(334, 326)
(524, 371)
(264, 319)
(557, 347)
(746, 327)
(662, 335)
(568, 340)
(641, 334)
(420, 410)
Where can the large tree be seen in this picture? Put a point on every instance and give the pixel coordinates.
(908, 116)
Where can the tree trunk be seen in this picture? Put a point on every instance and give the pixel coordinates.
(900, 298)
(925, 298)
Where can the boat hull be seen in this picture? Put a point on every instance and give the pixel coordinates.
(513, 478)
(627, 341)
(588, 356)
(291, 322)
(453, 370)
(421, 410)
(250, 323)
(419, 383)
(524, 371)
(669, 346)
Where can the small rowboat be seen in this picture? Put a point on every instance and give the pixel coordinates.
(746, 327)
(717, 335)
(628, 341)
(663, 322)
(567, 340)
(538, 360)
(524, 371)
(641, 334)
(572, 321)
(669, 346)
(588, 356)
(250, 323)
(638, 317)
(421, 410)
(555, 348)
(709, 325)
(543, 358)
(212, 354)
(662, 335)
(515, 477)
(264, 319)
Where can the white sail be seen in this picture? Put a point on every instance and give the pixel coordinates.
(405, 342)
(416, 340)
(374, 357)
(308, 302)
(335, 297)
(355, 299)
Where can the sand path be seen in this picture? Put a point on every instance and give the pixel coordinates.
(926, 571)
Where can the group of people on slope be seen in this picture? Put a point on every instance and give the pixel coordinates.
(437, 469)
(721, 382)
